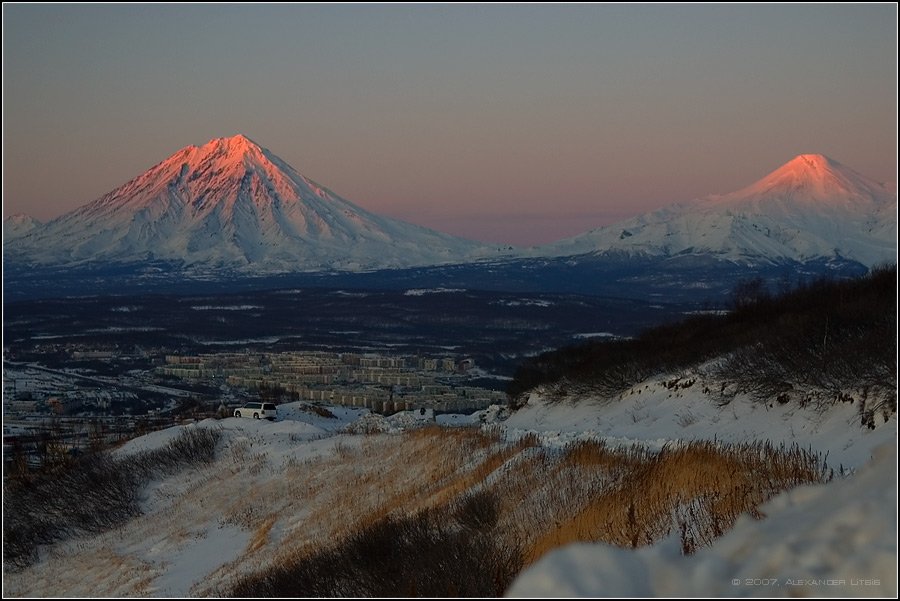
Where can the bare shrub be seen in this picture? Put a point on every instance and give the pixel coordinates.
(828, 336)
(426, 554)
(479, 510)
(317, 410)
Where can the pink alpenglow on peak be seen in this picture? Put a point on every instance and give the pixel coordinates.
(231, 203)
(815, 178)
(812, 207)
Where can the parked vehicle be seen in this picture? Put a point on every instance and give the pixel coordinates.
(256, 410)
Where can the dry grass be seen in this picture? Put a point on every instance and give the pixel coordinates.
(261, 535)
(700, 489)
(421, 469)
(366, 479)
(535, 499)
(545, 498)
(109, 573)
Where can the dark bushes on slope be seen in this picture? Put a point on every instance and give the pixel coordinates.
(835, 336)
(827, 334)
(435, 553)
(94, 494)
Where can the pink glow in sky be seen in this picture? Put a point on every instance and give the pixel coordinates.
(520, 124)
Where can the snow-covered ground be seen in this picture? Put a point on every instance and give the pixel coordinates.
(188, 531)
(838, 539)
(657, 411)
(281, 485)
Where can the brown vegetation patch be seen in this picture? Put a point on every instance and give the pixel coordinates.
(449, 484)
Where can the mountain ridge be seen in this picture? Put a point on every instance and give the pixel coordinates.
(233, 204)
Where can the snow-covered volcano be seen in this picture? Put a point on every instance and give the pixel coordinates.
(231, 203)
(809, 208)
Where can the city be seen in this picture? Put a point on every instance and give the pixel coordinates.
(93, 400)
(384, 384)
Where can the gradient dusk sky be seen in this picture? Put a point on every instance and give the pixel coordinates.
(517, 124)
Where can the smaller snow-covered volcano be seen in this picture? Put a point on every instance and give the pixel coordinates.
(231, 203)
(810, 183)
(809, 208)
(18, 225)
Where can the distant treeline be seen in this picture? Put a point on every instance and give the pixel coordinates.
(829, 335)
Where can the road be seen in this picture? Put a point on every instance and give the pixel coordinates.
(152, 388)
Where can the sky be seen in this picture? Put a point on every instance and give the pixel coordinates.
(516, 124)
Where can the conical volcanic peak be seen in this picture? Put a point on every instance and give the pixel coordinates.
(808, 170)
(812, 207)
(812, 162)
(200, 176)
(814, 178)
(232, 203)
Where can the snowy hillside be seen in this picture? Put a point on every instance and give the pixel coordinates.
(277, 491)
(681, 408)
(231, 203)
(811, 207)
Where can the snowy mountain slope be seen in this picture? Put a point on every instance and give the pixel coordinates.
(811, 207)
(231, 203)
(234, 205)
(16, 226)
